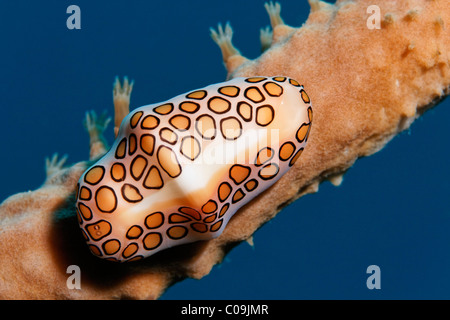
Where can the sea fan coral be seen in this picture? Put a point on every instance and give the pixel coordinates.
(367, 85)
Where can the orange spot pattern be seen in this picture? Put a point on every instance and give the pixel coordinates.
(156, 146)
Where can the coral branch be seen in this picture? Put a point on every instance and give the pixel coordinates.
(366, 85)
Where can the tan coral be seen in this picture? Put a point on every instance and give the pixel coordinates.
(367, 85)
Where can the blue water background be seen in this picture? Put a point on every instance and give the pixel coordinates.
(392, 209)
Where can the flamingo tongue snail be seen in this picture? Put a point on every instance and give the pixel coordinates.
(180, 169)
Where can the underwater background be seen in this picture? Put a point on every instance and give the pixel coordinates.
(392, 209)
